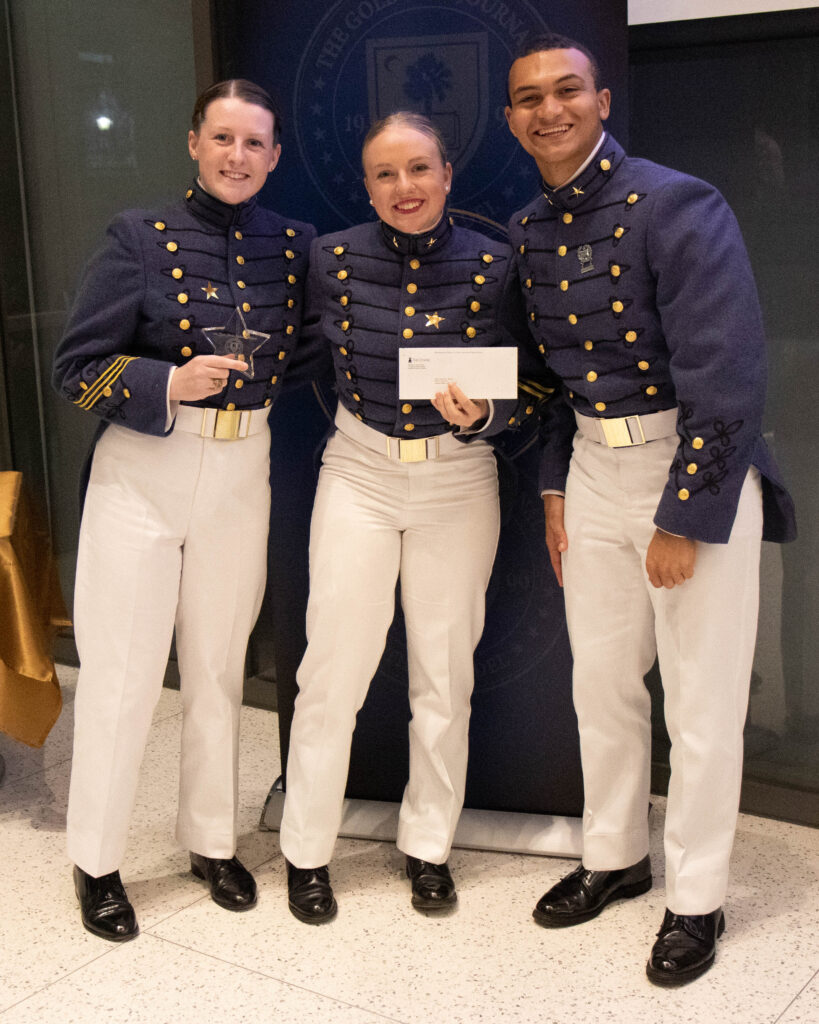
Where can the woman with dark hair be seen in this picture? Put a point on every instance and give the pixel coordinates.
(182, 330)
(407, 488)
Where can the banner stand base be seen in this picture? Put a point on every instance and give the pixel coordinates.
(545, 835)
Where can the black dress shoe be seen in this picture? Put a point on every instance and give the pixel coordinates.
(310, 895)
(432, 885)
(104, 906)
(685, 948)
(231, 884)
(581, 895)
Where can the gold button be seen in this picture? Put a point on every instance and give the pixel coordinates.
(171, 246)
(571, 394)
(532, 317)
(632, 199)
(126, 392)
(511, 421)
(339, 250)
(358, 416)
(471, 332)
(344, 300)
(527, 283)
(356, 396)
(83, 386)
(605, 165)
(230, 406)
(291, 278)
(588, 345)
(487, 257)
(282, 354)
(407, 332)
(651, 390)
(562, 250)
(159, 225)
(107, 392)
(617, 306)
(348, 375)
(239, 383)
(615, 271)
(541, 348)
(479, 279)
(291, 303)
(241, 284)
(567, 218)
(529, 410)
(683, 494)
(642, 365)
(189, 193)
(290, 232)
(240, 260)
(564, 286)
(187, 351)
(697, 443)
(409, 426)
(176, 273)
(342, 275)
(267, 402)
(185, 325)
(522, 248)
(572, 318)
(274, 379)
(619, 232)
(406, 407)
(343, 350)
(474, 305)
(631, 336)
(412, 288)
(409, 310)
(591, 376)
(289, 254)
(345, 325)
(245, 307)
(691, 468)
(600, 406)
(182, 297)
(289, 329)
(237, 235)
(415, 264)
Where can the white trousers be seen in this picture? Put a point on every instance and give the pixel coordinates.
(435, 524)
(174, 531)
(703, 632)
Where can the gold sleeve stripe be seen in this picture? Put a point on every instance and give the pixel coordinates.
(90, 397)
(532, 387)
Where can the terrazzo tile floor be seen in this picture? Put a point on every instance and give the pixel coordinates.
(379, 961)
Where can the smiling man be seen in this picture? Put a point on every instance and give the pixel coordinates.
(657, 487)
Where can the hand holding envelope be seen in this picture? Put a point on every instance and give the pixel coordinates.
(491, 372)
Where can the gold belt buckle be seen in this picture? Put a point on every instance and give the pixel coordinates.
(226, 425)
(412, 449)
(622, 431)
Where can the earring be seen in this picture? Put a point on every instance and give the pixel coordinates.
(371, 203)
(447, 188)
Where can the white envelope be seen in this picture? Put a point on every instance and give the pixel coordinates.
(480, 372)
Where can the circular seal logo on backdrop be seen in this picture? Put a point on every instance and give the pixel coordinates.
(448, 60)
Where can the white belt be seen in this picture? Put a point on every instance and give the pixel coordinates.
(414, 449)
(221, 424)
(626, 431)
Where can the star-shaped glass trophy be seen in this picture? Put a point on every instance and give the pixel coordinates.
(236, 341)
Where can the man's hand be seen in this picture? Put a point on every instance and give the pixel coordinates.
(201, 377)
(556, 539)
(670, 560)
(459, 410)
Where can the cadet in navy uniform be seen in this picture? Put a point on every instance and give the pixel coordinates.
(174, 526)
(641, 298)
(400, 493)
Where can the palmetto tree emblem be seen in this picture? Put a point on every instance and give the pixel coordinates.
(426, 80)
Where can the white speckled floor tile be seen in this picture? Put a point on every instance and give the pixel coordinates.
(485, 963)
(154, 982)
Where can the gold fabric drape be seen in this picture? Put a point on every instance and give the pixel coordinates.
(31, 606)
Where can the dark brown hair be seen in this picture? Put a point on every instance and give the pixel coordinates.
(241, 89)
(538, 42)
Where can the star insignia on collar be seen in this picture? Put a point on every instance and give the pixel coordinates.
(210, 291)
(577, 192)
(433, 320)
(236, 341)
(431, 242)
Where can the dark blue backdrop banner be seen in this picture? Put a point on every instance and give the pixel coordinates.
(336, 67)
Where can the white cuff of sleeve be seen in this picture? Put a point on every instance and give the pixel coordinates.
(171, 407)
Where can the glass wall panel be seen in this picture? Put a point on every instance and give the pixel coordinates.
(742, 110)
